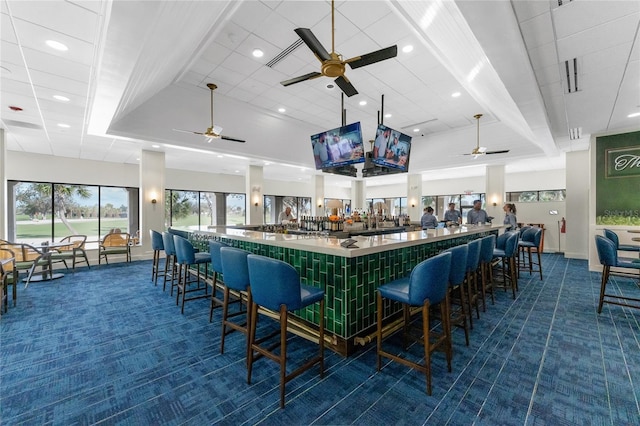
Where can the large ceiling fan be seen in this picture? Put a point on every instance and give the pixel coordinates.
(332, 63)
(213, 132)
(481, 150)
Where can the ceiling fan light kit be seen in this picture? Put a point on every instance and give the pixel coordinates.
(332, 64)
(212, 132)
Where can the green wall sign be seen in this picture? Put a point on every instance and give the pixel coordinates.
(623, 162)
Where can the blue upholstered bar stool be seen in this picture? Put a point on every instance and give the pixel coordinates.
(235, 270)
(216, 267)
(506, 252)
(621, 247)
(275, 285)
(473, 263)
(608, 256)
(530, 242)
(186, 257)
(457, 274)
(170, 266)
(486, 271)
(428, 285)
(158, 246)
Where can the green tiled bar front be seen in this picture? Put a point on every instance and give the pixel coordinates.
(349, 283)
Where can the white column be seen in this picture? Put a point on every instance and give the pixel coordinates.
(580, 236)
(3, 182)
(358, 194)
(495, 191)
(152, 186)
(318, 195)
(254, 188)
(414, 196)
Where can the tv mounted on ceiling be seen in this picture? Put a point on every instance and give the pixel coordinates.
(391, 149)
(338, 147)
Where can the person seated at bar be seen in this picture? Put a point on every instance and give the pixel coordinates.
(453, 215)
(428, 220)
(286, 216)
(477, 216)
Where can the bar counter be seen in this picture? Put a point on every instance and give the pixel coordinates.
(349, 276)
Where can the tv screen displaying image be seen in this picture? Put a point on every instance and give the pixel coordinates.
(338, 147)
(391, 148)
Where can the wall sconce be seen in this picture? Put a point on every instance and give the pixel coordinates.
(319, 206)
(494, 201)
(153, 197)
(255, 190)
(153, 201)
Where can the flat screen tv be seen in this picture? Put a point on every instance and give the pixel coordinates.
(391, 149)
(338, 147)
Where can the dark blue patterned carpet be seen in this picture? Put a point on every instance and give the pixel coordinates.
(104, 346)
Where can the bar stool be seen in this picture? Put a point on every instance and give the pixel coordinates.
(621, 247)
(486, 271)
(457, 274)
(530, 241)
(473, 262)
(216, 267)
(506, 252)
(170, 267)
(157, 244)
(608, 256)
(426, 286)
(236, 277)
(186, 256)
(275, 285)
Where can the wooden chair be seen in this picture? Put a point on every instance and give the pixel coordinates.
(72, 252)
(28, 258)
(114, 244)
(8, 276)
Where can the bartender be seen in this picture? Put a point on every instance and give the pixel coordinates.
(286, 216)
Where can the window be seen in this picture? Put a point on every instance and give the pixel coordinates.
(463, 202)
(535, 196)
(46, 211)
(235, 209)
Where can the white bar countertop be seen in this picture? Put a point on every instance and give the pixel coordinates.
(329, 245)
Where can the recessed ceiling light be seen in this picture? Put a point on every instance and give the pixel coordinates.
(137, 159)
(455, 94)
(282, 110)
(220, 156)
(635, 114)
(155, 146)
(257, 53)
(56, 45)
(408, 48)
(388, 115)
(61, 98)
(416, 130)
(64, 126)
(237, 171)
(266, 163)
(363, 103)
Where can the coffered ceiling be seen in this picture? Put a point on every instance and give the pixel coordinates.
(545, 77)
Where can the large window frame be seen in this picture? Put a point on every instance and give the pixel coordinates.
(55, 210)
(199, 209)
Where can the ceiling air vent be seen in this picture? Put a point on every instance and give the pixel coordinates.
(286, 52)
(571, 72)
(561, 2)
(575, 133)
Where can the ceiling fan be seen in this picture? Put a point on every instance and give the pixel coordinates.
(481, 150)
(213, 132)
(332, 63)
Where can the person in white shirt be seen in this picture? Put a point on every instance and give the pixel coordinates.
(286, 216)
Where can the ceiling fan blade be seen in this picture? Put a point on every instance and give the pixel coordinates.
(188, 131)
(346, 86)
(373, 57)
(301, 78)
(504, 151)
(312, 43)
(228, 138)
